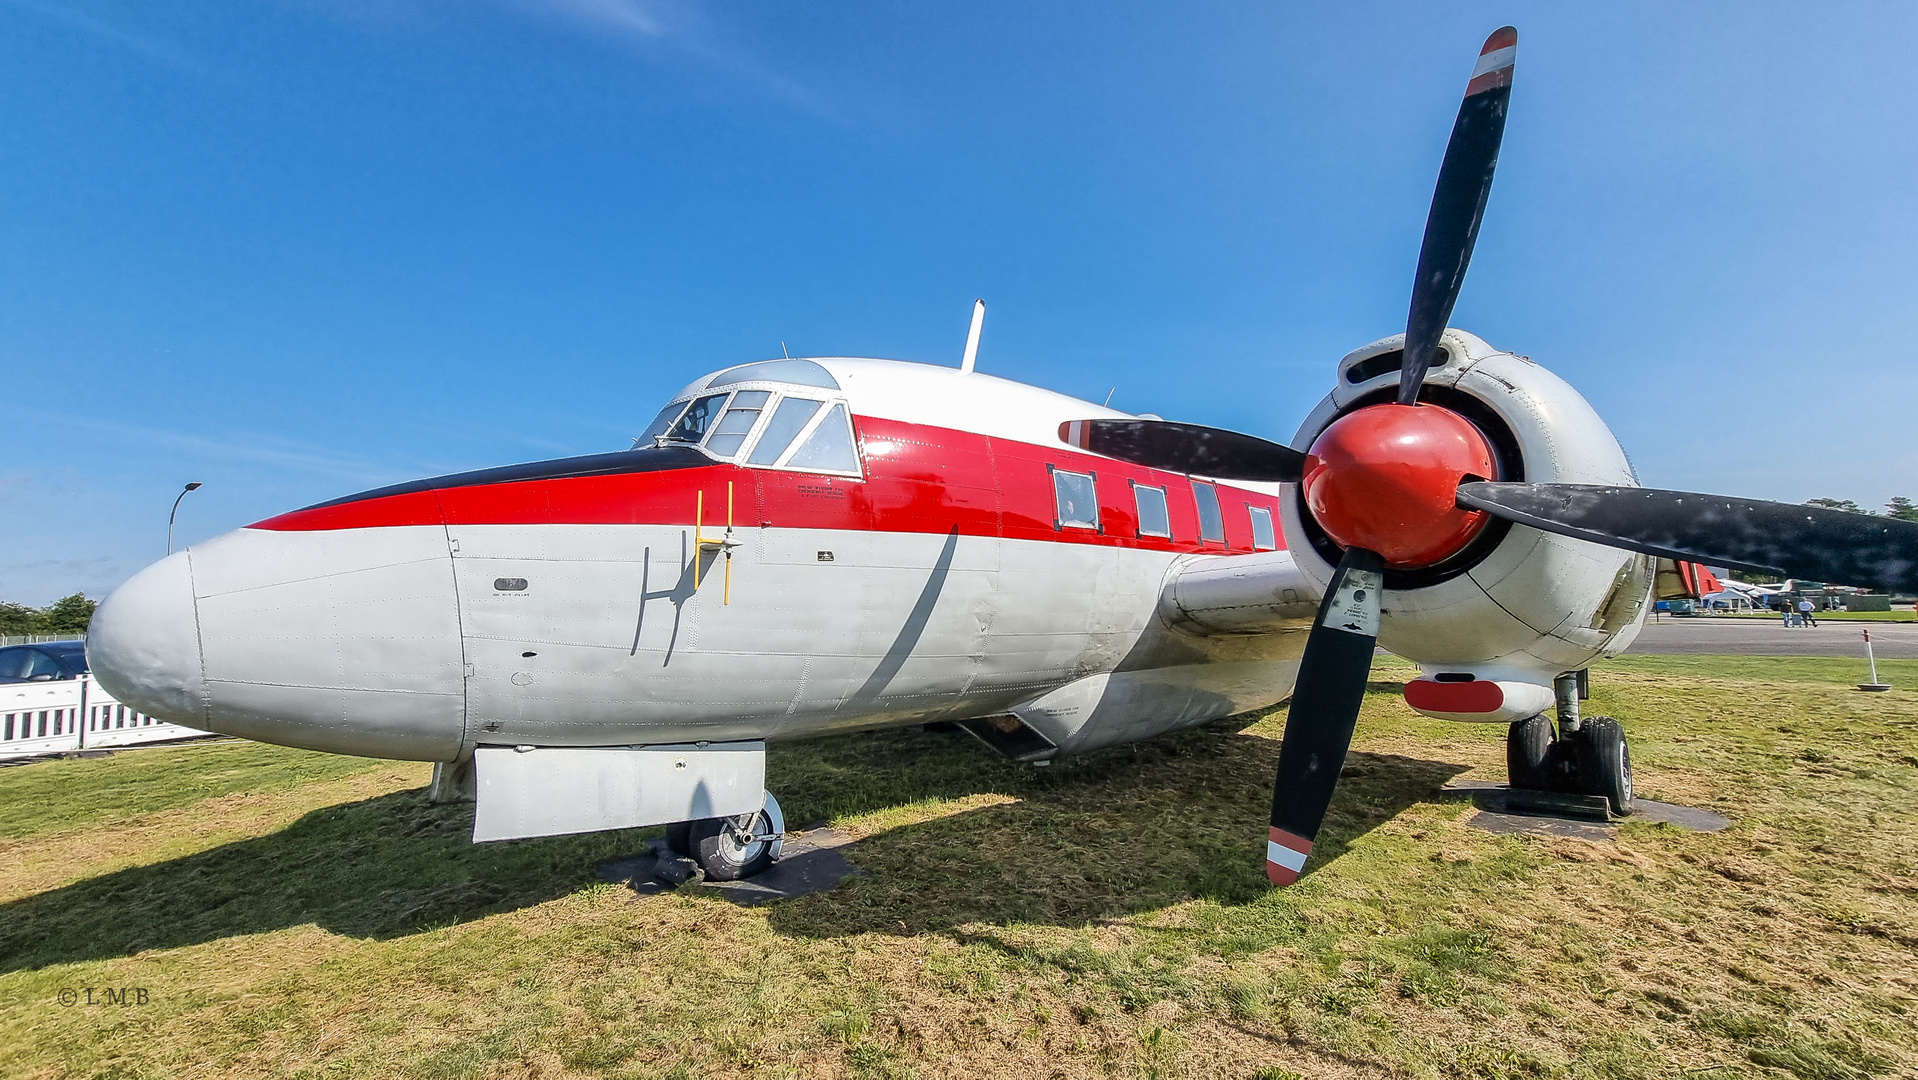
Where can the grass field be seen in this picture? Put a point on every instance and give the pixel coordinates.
(287, 913)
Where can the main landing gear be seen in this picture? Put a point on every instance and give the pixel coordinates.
(1588, 756)
(731, 848)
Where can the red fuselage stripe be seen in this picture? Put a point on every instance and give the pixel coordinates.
(919, 479)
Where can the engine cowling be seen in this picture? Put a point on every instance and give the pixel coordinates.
(1510, 606)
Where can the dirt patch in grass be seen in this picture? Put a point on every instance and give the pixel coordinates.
(1105, 917)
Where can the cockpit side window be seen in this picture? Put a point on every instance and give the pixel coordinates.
(742, 413)
(698, 419)
(830, 448)
(789, 419)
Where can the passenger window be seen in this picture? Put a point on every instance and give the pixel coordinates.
(1077, 499)
(787, 422)
(1211, 522)
(1263, 539)
(830, 449)
(699, 417)
(13, 664)
(737, 423)
(41, 666)
(1154, 518)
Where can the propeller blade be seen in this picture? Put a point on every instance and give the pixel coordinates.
(1325, 706)
(1744, 534)
(1187, 448)
(1458, 205)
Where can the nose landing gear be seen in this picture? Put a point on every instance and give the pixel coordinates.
(1589, 755)
(731, 848)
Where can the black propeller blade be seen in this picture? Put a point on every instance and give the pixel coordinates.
(1458, 205)
(1325, 706)
(1745, 534)
(1187, 448)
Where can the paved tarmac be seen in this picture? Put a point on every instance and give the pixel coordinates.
(1769, 637)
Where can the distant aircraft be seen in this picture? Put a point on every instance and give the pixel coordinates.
(805, 547)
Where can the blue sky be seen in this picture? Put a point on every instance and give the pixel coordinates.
(297, 248)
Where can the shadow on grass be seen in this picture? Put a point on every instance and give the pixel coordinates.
(1113, 833)
(380, 868)
(1130, 830)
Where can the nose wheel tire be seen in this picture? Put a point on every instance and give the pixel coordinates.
(1528, 754)
(732, 848)
(1594, 760)
(1603, 762)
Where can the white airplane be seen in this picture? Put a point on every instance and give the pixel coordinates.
(812, 546)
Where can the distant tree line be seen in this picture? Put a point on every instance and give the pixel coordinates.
(65, 616)
(1899, 507)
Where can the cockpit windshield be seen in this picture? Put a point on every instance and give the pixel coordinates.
(660, 423)
(742, 415)
(796, 428)
(697, 420)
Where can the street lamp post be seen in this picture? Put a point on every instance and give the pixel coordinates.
(192, 486)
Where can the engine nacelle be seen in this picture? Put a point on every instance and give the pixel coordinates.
(1517, 606)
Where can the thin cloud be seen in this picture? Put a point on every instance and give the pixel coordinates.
(45, 580)
(255, 449)
(105, 31)
(631, 16)
(683, 29)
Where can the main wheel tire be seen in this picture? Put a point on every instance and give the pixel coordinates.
(1605, 762)
(717, 844)
(679, 838)
(1528, 751)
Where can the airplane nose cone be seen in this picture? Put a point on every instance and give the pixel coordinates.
(143, 644)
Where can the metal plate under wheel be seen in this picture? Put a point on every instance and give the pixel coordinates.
(1497, 814)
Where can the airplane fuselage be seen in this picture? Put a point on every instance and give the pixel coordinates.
(949, 570)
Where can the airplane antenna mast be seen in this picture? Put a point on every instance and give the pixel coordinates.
(972, 336)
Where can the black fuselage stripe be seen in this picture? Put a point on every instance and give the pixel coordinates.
(649, 459)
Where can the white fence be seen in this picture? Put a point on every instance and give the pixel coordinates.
(73, 714)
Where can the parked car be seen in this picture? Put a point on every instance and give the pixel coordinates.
(43, 662)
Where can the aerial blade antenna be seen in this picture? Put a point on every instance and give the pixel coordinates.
(972, 335)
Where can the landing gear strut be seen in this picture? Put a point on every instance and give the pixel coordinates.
(731, 848)
(1589, 756)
